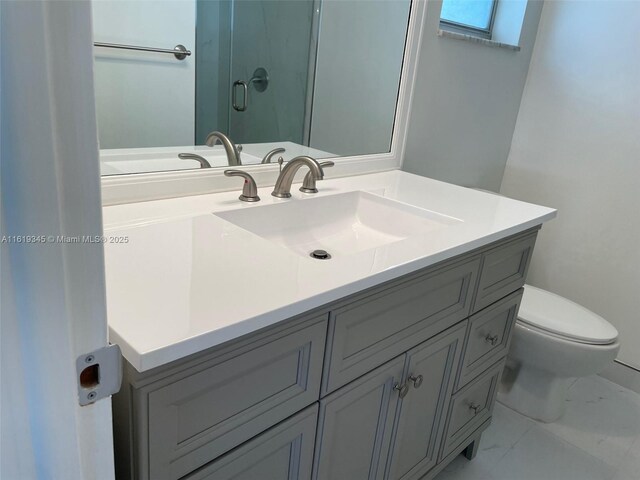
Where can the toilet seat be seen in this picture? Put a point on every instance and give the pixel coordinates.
(559, 317)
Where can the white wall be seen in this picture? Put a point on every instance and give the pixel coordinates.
(576, 147)
(360, 51)
(145, 99)
(465, 104)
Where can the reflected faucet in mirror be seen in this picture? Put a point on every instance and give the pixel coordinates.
(232, 150)
(267, 158)
(204, 163)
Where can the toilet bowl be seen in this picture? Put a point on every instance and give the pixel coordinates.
(554, 342)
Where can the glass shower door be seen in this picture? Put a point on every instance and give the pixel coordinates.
(270, 51)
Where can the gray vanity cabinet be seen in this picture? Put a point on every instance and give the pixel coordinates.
(390, 383)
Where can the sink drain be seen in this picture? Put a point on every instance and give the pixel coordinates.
(320, 255)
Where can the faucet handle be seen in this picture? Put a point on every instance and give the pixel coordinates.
(249, 190)
(267, 158)
(239, 148)
(309, 183)
(204, 163)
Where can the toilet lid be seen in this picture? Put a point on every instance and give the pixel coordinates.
(553, 313)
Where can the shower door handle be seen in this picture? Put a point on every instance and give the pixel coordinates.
(259, 80)
(234, 97)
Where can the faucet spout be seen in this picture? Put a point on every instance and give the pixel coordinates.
(282, 188)
(233, 153)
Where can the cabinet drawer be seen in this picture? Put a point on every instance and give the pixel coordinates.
(199, 417)
(469, 408)
(285, 452)
(390, 321)
(504, 270)
(488, 337)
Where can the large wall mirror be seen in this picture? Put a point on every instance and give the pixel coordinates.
(316, 77)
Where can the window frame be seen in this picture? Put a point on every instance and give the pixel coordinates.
(469, 29)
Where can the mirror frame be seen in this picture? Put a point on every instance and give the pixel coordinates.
(137, 187)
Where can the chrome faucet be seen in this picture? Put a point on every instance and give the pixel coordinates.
(309, 183)
(282, 188)
(204, 163)
(233, 150)
(269, 155)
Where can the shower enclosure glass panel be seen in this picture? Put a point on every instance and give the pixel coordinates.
(273, 35)
(267, 57)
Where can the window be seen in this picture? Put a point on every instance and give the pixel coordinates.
(474, 17)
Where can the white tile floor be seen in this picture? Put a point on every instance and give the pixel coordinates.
(598, 438)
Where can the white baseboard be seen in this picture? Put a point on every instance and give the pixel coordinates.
(623, 374)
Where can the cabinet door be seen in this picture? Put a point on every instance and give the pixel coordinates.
(284, 452)
(355, 426)
(430, 373)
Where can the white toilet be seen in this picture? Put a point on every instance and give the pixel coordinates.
(555, 341)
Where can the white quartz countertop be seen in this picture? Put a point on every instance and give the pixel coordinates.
(186, 280)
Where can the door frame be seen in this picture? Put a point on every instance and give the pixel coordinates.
(53, 289)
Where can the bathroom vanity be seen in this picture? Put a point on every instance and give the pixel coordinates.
(381, 363)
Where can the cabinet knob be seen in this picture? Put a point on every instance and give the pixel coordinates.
(417, 380)
(492, 339)
(402, 389)
(474, 407)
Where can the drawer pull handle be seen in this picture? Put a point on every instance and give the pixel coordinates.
(402, 389)
(417, 381)
(474, 407)
(493, 340)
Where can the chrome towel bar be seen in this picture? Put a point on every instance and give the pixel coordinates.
(180, 51)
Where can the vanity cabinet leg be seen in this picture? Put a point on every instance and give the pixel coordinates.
(472, 450)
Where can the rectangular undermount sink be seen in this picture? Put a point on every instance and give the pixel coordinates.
(341, 224)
